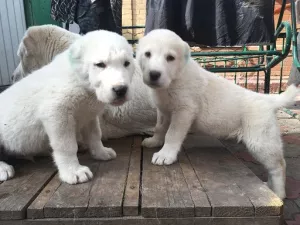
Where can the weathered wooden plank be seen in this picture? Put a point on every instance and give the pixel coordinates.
(226, 198)
(16, 194)
(265, 202)
(107, 193)
(36, 209)
(232, 188)
(101, 196)
(132, 191)
(154, 193)
(164, 190)
(200, 199)
(70, 200)
(151, 221)
(213, 167)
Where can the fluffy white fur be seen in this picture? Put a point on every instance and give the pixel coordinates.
(188, 96)
(63, 99)
(38, 47)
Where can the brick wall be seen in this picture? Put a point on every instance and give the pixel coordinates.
(134, 12)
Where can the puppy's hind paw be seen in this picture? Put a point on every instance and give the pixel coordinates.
(163, 158)
(152, 142)
(105, 154)
(6, 171)
(75, 176)
(281, 195)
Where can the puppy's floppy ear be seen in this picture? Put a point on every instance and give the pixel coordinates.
(27, 45)
(33, 40)
(22, 51)
(75, 50)
(187, 50)
(75, 54)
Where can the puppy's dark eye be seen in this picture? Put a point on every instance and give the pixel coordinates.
(100, 65)
(126, 63)
(170, 58)
(148, 54)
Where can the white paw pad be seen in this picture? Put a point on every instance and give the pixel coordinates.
(75, 176)
(152, 143)
(6, 171)
(163, 158)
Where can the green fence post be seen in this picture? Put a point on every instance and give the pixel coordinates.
(37, 12)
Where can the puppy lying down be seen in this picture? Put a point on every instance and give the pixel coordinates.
(55, 104)
(41, 44)
(188, 96)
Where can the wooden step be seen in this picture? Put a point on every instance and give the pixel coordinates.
(208, 185)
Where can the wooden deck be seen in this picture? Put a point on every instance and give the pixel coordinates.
(207, 186)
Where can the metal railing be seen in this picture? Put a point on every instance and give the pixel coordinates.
(249, 66)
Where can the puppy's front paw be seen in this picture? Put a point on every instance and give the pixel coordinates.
(281, 194)
(6, 171)
(163, 158)
(75, 176)
(105, 154)
(152, 142)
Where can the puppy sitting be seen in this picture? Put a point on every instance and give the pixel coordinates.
(185, 94)
(63, 99)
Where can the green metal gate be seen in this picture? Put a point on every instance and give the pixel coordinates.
(37, 12)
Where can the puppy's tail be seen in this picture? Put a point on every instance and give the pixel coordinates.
(286, 98)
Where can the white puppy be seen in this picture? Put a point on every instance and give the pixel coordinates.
(63, 99)
(188, 96)
(41, 44)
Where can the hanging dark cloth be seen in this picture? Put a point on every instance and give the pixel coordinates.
(101, 14)
(63, 10)
(214, 22)
(89, 15)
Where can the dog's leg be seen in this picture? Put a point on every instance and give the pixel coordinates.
(92, 137)
(276, 167)
(277, 178)
(160, 131)
(180, 124)
(269, 152)
(6, 171)
(62, 136)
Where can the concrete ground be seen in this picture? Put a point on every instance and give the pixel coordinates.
(290, 129)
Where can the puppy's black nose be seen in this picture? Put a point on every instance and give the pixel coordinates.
(120, 90)
(154, 75)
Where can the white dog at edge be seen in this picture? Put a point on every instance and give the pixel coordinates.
(63, 99)
(188, 96)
